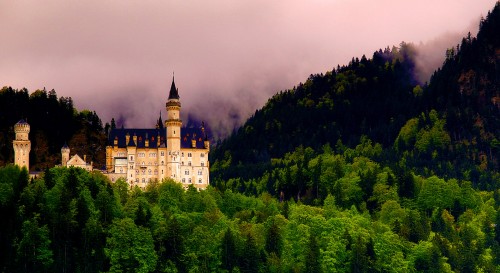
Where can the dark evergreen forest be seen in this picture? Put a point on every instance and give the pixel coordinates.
(53, 122)
(359, 169)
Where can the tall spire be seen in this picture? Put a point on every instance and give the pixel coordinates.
(174, 92)
(159, 123)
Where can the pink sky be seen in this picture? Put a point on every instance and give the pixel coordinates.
(229, 57)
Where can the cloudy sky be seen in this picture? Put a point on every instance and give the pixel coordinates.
(229, 57)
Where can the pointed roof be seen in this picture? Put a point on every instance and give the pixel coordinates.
(65, 146)
(174, 92)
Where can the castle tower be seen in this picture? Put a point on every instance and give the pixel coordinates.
(173, 125)
(64, 155)
(22, 144)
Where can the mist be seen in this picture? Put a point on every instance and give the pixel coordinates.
(118, 57)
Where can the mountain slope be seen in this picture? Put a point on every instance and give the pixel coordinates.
(375, 98)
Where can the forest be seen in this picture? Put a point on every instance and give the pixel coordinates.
(371, 220)
(374, 172)
(54, 121)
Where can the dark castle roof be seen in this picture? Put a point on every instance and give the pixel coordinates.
(22, 121)
(174, 92)
(187, 134)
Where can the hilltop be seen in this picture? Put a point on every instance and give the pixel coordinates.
(449, 126)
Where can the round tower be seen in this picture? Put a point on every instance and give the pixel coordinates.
(22, 144)
(173, 125)
(65, 155)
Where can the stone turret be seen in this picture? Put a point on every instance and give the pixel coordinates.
(22, 144)
(65, 155)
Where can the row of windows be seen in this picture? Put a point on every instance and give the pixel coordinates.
(154, 155)
(143, 155)
(163, 163)
(200, 181)
(189, 163)
(200, 172)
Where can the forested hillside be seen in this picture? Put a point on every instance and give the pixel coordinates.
(53, 121)
(74, 221)
(449, 127)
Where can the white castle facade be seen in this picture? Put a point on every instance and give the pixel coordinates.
(141, 156)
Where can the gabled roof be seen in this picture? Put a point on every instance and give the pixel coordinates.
(76, 160)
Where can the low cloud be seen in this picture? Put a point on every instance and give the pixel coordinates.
(117, 58)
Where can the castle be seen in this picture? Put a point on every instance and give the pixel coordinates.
(141, 156)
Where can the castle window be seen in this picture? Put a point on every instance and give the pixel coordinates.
(121, 170)
(202, 155)
(136, 171)
(199, 181)
(200, 172)
(131, 175)
(202, 164)
(186, 172)
(152, 154)
(156, 172)
(131, 158)
(144, 180)
(182, 163)
(189, 163)
(149, 171)
(162, 153)
(161, 171)
(182, 154)
(143, 171)
(141, 154)
(131, 167)
(137, 180)
(162, 163)
(190, 155)
(183, 180)
(189, 180)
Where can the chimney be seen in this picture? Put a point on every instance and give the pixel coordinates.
(127, 139)
(193, 143)
(85, 158)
